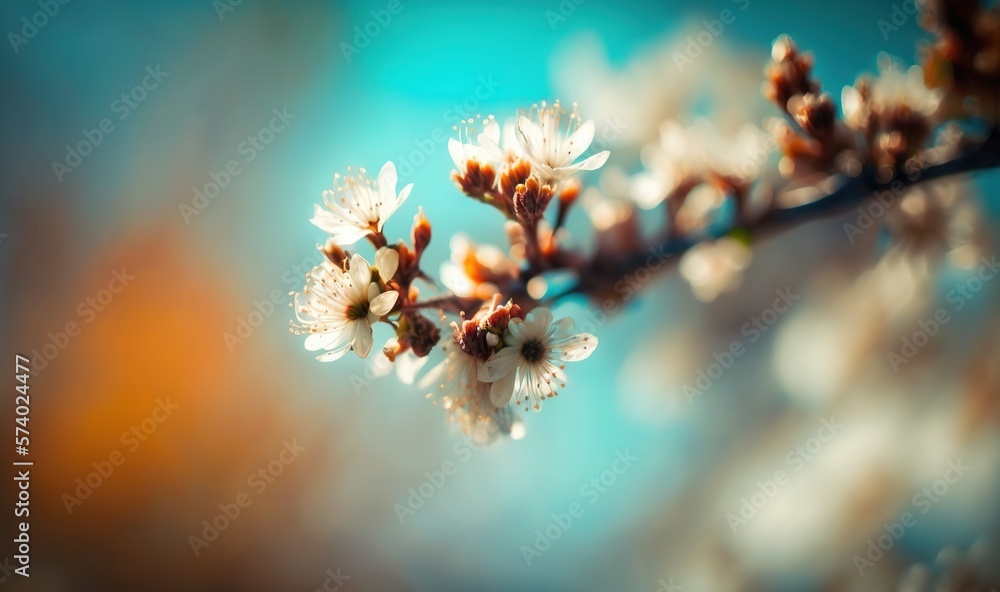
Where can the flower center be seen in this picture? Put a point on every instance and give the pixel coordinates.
(357, 311)
(533, 351)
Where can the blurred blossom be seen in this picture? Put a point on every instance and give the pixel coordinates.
(713, 268)
(687, 156)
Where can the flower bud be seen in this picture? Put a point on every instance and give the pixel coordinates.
(530, 200)
(421, 233)
(789, 73)
(334, 253)
(392, 349)
(477, 179)
(784, 48)
(567, 197)
(814, 113)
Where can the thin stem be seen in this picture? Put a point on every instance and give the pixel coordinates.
(501, 202)
(451, 302)
(533, 249)
(377, 239)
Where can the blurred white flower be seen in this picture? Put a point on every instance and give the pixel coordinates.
(530, 358)
(337, 307)
(552, 146)
(357, 207)
(696, 154)
(713, 268)
(634, 91)
(475, 270)
(466, 399)
(892, 89)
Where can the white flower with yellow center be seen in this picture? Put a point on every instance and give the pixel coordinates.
(338, 308)
(483, 147)
(357, 207)
(531, 358)
(552, 146)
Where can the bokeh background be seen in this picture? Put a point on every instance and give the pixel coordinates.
(661, 525)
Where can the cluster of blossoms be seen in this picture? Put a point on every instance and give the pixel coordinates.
(886, 120)
(498, 354)
(964, 61)
(504, 348)
(879, 140)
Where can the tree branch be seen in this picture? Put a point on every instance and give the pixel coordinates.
(855, 191)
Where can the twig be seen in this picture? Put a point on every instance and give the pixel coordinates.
(450, 302)
(853, 192)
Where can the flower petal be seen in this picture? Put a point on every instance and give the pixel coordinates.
(528, 136)
(538, 322)
(457, 151)
(334, 354)
(562, 328)
(387, 261)
(491, 132)
(578, 143)
(360, 273)
(499, 364)
(515, 333)
(408, 366)
(387, 183)
(317, 341)
(342, 232)
(575, 348)
(324, 219)
(502, 391)
(389, 207)
(371, 293)
(382, 304)
(594, 162)
(361, 339)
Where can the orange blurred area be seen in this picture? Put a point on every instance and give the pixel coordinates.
(145, 420)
